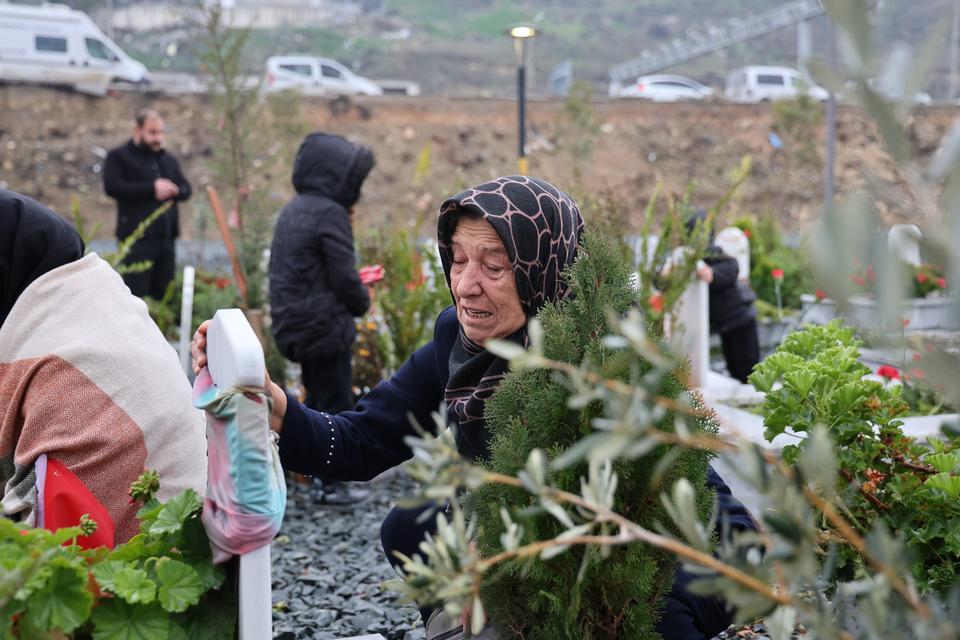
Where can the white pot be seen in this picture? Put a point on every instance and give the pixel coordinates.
(922, 314)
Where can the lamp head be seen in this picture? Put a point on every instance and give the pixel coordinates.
(522, 31)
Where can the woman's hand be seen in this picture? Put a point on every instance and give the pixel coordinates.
(198, 353)
(198, 347)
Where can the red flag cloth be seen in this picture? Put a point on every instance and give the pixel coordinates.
(65, 498)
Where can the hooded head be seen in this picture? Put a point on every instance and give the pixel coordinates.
(33, 241)
(332, 166)
(539, 225)
(699, 218)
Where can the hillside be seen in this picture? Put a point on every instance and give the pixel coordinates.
(52, 146)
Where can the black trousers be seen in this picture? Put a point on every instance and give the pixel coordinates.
(328, 383)
(741, 350)
(154, 281)
(686, 616)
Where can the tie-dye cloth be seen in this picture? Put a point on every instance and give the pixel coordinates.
(246, 492)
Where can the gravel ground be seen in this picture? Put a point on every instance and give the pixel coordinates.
(328, 567)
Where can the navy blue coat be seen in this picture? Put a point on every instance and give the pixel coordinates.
(360, 444)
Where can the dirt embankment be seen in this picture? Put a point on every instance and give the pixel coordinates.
(52, 146)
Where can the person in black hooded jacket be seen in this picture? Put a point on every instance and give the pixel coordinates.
(315, 290)
(732, 313)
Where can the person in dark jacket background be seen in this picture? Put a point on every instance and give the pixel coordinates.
(141, 175)
(732, 314)
(315, 290)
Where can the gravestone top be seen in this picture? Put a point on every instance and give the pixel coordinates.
(734, 242)
(904, 242)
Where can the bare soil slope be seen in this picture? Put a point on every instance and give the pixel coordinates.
(52, 146)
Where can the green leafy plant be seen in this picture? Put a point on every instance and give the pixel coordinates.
(768, 253)
(663, 273)
(411, 295)
(116, 259)
(579, 594)
(928, 280)
(161, 584)
(814, 378)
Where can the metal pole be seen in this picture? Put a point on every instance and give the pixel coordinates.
(831, 122)
(521, 120)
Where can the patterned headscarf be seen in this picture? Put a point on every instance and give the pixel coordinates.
(540, 227)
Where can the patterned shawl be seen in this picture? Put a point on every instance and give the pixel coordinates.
(540, 227)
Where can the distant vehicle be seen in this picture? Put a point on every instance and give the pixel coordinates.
(665, 88)
(56, 45)
(317, 77)
(894, 91)
(766, 84)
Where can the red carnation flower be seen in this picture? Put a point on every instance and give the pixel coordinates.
(820, 293)
(656, 302)
(921, 278)
(777, 274)
(942, 283)
(888, 372)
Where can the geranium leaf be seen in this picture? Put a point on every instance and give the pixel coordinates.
(950, 485)
(175, 512)
(180, 585)
(117, 620)
(130, 583)
(63, 602)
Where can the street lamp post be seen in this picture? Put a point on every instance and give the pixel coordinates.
(520, 35)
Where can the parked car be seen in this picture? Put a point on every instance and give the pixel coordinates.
(766, 84)
(850, 94)
(56, 45)
(317, 77)
(665, 88)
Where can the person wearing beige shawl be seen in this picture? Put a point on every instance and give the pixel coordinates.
(89, 387)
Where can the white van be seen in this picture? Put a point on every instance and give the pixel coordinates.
(54, 44)
(766, 84)
(317, 77)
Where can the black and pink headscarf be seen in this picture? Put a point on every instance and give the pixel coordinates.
(540, 227)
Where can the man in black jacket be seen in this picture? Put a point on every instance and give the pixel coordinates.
(141, 176)
(315, 290)
(732, 313)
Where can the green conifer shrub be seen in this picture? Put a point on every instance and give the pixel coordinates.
(616, 597)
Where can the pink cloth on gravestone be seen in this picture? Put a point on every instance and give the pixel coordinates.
(246, 492)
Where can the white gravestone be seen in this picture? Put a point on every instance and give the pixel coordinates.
(235, 357)
(904, 242)
(693, 325)
(734, 242)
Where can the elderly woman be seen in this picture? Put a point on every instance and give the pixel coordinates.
(503, 246)
(91, 394)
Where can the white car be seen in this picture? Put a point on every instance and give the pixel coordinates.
(665, 88)
(54, 44)
(317, 77)
(766, 84)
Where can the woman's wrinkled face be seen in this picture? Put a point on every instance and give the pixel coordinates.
(482, 282)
